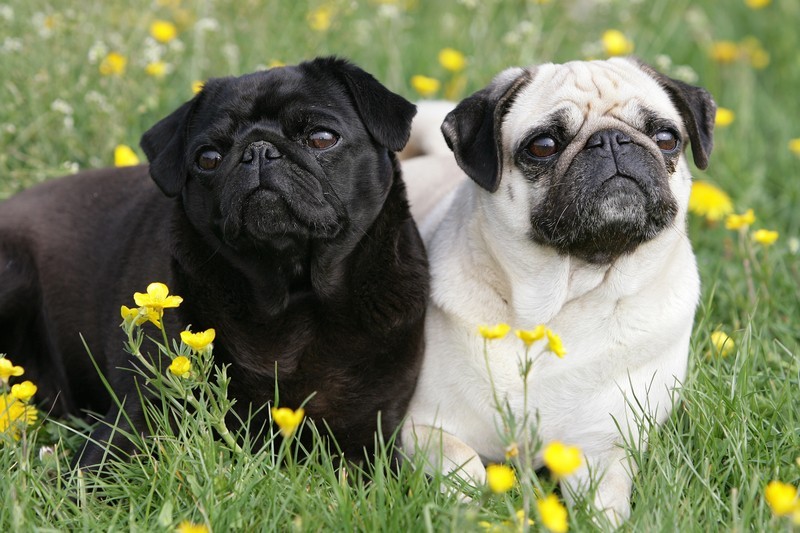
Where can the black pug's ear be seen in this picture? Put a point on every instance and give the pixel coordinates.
(472, 129)
(386, 115)
(697, 108)
(164, 145)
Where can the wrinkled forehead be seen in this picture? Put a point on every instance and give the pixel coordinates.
(591, 92)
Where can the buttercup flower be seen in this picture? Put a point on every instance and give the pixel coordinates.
(724, 51)
(180, 366)
(452, 60)
(794, 146)
(553, 514)
(14, 415)
(157, 297)
(736, 222)
(124, 156)
(709, 201)
(757, 4)
(163, 31)
(23, 391)
(287, 420)
(562, 460)
(494, 332)
(198, 341)
(765, 237)
(113, 64)
(156, 69)
(724, 117)
(189, 527)
(723, 344)
(424, 85)
(781, 497)
(529, 336)
(320, 19)
(616, 44)
(197, 86)
(8, 369)
(554, 344)
(500, 478)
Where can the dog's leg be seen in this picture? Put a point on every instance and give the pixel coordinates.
(613, 473)
(444, 453)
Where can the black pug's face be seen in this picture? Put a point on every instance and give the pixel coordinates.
(282, 157)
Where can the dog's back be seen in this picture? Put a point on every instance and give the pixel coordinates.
(62, 258)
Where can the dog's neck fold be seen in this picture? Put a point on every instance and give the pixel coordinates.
(529, 284)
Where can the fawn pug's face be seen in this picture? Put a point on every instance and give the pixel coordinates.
(585, 157)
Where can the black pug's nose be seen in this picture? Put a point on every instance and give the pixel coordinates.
(261, 151)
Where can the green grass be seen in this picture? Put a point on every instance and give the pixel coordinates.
(738, 424)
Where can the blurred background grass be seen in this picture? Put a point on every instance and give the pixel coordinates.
(63, 107)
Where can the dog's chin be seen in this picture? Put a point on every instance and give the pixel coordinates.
(610, 222)
(267, 220)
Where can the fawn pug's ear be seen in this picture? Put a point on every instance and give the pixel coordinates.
(472, 129)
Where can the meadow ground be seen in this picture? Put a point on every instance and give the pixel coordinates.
(79, 81)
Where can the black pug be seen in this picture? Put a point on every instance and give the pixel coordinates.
(277, 211)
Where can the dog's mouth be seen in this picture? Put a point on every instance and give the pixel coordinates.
(276, 213)
(602, 222)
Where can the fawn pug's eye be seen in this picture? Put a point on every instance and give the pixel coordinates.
(543, 147)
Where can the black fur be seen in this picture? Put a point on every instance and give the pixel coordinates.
(303, 260)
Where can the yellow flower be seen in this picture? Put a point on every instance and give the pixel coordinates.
(198, 341)
(781, 497)
(15, 415)
(724, 51)
(7, 370)
(736, 222)
(529, 336)
(124, 156)
(616, 44)
(512, 450)
(709, 201)
(23, 391)
(320, 19)
(452, 60)
(553, 514)
(156, 69)
(724, 117)
(157, 297)
(723, 344)
(163, 31)
(794, 146)
(274, 63)
(757, 4)
(288, 420)
(132, 315)
(765, 237)
(180, 366)
(113, 64)
(197, 86)
(562, 460)
(189, 527)
(501, 478)
(424, 85)
(494, 332)
(554, 344)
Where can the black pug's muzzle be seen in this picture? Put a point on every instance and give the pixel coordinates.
(613, 196)
(269, 190)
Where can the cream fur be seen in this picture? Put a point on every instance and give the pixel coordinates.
(625, 326)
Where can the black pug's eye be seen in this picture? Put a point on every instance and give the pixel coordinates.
(666, 140)
(209, 159)
(321, 139)
(543, 147)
